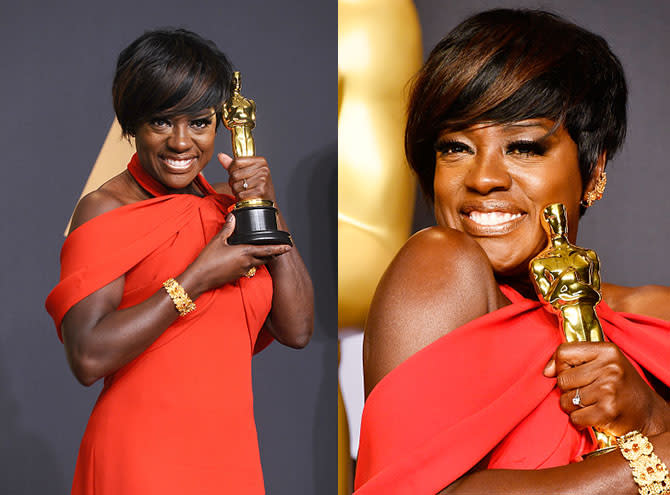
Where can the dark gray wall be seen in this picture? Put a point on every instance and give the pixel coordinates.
(629, 227)
(57, 66)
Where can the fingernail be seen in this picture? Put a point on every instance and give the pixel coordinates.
(229, 217)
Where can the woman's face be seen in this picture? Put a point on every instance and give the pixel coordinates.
(174, 150)
(492, 182)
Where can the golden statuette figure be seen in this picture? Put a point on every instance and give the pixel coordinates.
(567, 278)
(255, 219)
(239, 117)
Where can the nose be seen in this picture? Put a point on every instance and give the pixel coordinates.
(179, 139)
(488, 173)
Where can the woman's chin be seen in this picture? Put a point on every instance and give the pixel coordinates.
(177, 182)
(510, 258)
(508, 266)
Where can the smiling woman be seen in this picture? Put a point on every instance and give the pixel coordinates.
(176, 149)
(165, 95)
(153, 299)
(492, 181)
(469, 389)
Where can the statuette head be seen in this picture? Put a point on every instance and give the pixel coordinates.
(555, 219)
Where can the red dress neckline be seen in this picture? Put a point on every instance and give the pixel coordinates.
(155, 188)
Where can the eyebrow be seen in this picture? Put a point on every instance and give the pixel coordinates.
(203, 115)
(549, 131)
(527, 124)
(194, 116)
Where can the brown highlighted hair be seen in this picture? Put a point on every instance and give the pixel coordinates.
(168, 72)
(503, 66)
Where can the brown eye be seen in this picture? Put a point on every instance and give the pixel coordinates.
(160, 123)
(201, 123)
(451, 147)
(526, 148)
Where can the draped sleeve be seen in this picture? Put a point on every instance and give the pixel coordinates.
(161, 236)
(108, 246)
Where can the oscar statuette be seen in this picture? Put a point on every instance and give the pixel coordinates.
(567, 280)
(255, 219)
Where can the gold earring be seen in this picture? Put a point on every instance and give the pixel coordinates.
(597, 193)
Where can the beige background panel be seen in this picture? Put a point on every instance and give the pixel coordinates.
(112, 160)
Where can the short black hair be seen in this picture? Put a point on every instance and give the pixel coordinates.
(507, 65)
(169, 72)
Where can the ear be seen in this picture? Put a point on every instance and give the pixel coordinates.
(595, 175)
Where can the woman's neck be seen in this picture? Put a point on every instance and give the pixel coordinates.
(192, 188)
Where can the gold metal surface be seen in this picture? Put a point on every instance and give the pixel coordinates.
(248, 203)
(239, 116)
(649, 472)
(179, 297)
(567, 278)
(598, 191)
(379, 49)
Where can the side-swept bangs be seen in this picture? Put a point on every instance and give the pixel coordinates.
(504, 66)
(165, 73)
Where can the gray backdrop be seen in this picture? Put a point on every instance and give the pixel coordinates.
(629, 227)
(57, 67)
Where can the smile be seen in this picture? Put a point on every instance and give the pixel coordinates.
(491, 223)
(178, 165)
(491, 218)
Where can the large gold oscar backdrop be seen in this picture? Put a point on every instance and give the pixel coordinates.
(379, 49)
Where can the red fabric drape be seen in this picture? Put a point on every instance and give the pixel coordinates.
(480, 389)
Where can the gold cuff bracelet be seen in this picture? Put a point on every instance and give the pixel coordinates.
(179, 297)
(649, 472)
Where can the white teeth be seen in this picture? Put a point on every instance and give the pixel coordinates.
(178, 163)
(493, 217)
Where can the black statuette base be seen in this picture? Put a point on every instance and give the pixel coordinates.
(258, 225)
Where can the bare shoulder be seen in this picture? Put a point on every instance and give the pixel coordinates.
(92, 205)
(439, 280)
(648, 300)
(116, 192)
(223, 188)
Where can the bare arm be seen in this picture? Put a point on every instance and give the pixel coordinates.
(99, 339)
(291, 319)
(607, 474)
(649, 300)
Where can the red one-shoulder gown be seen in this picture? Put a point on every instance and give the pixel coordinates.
(179, 418)
(479, 390)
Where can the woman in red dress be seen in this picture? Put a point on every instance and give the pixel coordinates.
(176, 411)
(469, 386)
